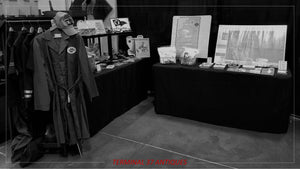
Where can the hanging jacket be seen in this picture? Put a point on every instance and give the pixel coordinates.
(27, 73)
(11, 37)
(16, 52)
(12, 86)
(21, 117)
(61, 73)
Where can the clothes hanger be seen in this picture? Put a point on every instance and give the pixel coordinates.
(23, 27)
(31, 30)
(53, 25)
(40, 29)
(11, 29)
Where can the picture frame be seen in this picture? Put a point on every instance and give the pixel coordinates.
(142, 47)
(120, 25)
(90, 27)
(192, 32)
(98, 25)
(256, 45)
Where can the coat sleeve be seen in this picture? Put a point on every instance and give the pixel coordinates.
(86, 71)
(40, 84)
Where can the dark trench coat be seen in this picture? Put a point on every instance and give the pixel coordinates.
(61, 73)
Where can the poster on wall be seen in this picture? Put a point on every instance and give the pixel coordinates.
(254, 45)
(192, 32)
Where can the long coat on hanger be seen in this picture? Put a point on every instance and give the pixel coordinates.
(61, 73)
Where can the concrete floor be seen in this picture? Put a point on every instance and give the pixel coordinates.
(140, 134)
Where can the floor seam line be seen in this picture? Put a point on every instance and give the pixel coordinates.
(149, 145)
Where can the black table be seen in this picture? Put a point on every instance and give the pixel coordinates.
(240, 100)
(119, 90)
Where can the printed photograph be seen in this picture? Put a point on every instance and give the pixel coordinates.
(251, 44)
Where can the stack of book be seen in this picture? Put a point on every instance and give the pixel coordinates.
(250, 70)
(268, 71)
(206, 65)
(233, 67)
(219, 66)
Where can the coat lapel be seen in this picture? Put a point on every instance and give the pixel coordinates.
(52, 44)
(63, 43)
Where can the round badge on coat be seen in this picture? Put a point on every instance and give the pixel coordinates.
(71, 50)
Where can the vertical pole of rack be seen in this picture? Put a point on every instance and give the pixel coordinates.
(99, 44)
(110, 52)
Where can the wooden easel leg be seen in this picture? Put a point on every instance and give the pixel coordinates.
(79, 149)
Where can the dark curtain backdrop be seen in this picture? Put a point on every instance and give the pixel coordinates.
(153, 19)
(297, 59)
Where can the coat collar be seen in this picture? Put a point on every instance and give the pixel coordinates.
(51, 42)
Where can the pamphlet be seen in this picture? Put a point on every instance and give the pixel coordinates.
(167, 55)
(268, 71)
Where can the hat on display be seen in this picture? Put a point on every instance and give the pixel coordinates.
(65, 22)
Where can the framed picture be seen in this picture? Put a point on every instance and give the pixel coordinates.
(191, 32)
(142, 47)
(257, 45)
(97, 24)
(120, 24)
(91, 27)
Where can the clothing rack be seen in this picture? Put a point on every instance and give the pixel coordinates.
(17, 23)
(29, 23)
(26, 21)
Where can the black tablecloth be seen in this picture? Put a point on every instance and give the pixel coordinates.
(119, 90)
(2, 113)
(241, 100)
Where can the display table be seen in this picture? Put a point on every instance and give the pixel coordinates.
(119, 90)
(240, 100)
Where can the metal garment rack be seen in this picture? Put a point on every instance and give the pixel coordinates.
(25, 21)
(8, 23)
(22, 22)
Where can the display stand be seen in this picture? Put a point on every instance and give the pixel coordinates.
(109, 41)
